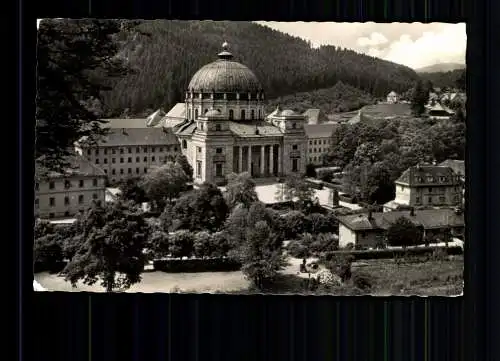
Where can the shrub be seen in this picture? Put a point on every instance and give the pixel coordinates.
(181, 244)
(362, 281)
(297, 249)
(220, 244)
(202, 244)
(341, 266)
(294, 223)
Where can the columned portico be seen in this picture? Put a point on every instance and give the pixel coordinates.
(280, 169)
(262, 160)
(271, 159)
(249, 159)
(240, 159)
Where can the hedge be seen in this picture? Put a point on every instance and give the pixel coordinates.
(392, 253)
(196, 265)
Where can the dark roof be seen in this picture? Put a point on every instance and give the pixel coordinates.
(428, 218)
(458, 166)
(79, 167)
(320, 130)
(418, 176)
(115, 123)
(137, 136)
(186, 129)
(224, 76)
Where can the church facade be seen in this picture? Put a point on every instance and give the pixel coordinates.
(225, 129)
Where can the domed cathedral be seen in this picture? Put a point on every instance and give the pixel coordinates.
(225, 129)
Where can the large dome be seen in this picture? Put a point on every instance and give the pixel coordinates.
(224, 76)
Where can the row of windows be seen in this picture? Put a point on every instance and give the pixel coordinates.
(67, 200)
(129, 160)
(314, 159)
(319, 141)
(431, 179)
(68, 184)
(231, 114)
(429, 189)
(129, 171)
(318, 150)
(168, 148)
(442, 199)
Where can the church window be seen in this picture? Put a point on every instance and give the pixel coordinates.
(218, 150)
(231, 114)
(242, 114)
(294, 147)
(252, 114)
(217, 127)
(184, 144)
(218, 169)
(196, 114)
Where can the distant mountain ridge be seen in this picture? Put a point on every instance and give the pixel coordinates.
(441, 67)
(167, 59)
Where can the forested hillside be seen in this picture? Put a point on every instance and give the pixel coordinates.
(449, 79)
(166, 60)
(337, 99)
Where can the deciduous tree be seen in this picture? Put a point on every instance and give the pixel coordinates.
(240, 189)
(404, 232)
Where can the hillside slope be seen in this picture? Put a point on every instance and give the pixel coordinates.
(449, 79)
(441, 67)
(337, 99)
(168, 58)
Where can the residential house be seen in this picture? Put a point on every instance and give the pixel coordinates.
(64, 194)
(319, 138)
(439, 112)
(368, 229)
(392, 97)
(427, 186)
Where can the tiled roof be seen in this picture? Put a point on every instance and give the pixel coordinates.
(458, 166)
(115, 123)
(186, 129)
(428, 218)
(428, 176)
(137, 136)
(79, 166)
(315, 116)
(247, 129)
(320, 130)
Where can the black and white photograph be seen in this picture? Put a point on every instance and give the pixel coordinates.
(228, 157)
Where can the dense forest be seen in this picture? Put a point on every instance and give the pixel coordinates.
(337, 99)
(443, 80)
(166, 54)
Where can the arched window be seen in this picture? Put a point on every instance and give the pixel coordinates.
(184, 144)
(252, 114)
(231, 114)
(196, 114)
(242, 114)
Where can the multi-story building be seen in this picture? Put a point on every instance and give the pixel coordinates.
(319, 138)
(225, 129)
(65, 194)
(126, 152)
(427, 186)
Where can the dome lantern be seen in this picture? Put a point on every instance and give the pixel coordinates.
(225, 54)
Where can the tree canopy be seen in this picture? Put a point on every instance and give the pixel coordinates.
(240, 189)
(110, 248)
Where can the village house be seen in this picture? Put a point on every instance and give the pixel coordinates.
(319, 138)
(439, 112)
(426, 186)
(65, 194)
(368, 229)
(392, 97)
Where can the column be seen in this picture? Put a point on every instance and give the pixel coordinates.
(262, 159)
(240, 159)
(280, 161)
(249, 163)
(271, 159)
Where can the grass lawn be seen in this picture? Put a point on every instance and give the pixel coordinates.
(387, 278)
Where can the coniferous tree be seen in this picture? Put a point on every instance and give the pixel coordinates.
(419, 98)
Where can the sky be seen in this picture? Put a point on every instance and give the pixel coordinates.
(412, 44)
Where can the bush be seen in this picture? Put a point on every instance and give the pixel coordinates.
(341, 266)
(202, 244)
(181, 244)
(197, 265)
(297, 249)
(362, 281)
